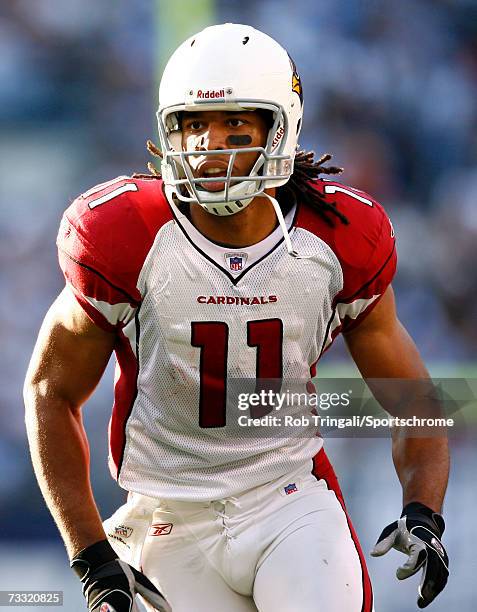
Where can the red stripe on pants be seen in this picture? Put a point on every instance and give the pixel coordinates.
(322, 469)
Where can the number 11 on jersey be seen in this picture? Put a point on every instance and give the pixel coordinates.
(212, 337)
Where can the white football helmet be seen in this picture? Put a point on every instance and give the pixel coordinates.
(229, 67)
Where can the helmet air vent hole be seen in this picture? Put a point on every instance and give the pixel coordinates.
(216, 211)
(245, 40)
(229, 210)
(239, 204)
(192, 43)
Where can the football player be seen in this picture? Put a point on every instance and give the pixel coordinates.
(235, 262)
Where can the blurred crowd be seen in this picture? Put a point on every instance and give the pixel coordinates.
(390, 89)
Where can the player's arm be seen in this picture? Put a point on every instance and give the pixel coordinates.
(382, 349)
(68, 360)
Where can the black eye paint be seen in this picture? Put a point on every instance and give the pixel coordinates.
(239, 140)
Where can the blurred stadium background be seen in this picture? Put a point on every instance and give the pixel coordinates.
(390, 89)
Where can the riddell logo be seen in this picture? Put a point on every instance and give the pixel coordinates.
(210, 94)
(160, 529)
(278, 136)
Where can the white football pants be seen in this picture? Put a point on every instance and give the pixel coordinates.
(286, 546)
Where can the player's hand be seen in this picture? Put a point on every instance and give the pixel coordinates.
(110, 584)
(418, 534)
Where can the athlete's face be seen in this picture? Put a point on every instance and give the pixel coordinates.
(210, 130)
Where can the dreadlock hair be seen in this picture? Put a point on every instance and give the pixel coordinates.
(298, 187)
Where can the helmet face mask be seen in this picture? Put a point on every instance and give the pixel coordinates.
(192, 82)
(238, 190)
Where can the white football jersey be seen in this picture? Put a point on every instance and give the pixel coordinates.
(197, 323)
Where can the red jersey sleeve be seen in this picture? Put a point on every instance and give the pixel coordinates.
(103, 240)
(368, 267)
(365, 248)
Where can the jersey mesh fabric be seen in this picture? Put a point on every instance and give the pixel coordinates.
(167, 453)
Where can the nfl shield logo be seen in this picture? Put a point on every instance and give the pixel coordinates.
(236, 261)
(291, 488)
(122, 530)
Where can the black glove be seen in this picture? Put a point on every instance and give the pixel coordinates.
(418, 534)
(110, 584)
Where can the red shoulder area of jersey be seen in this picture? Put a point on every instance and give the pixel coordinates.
(108, 232)
(365, 246)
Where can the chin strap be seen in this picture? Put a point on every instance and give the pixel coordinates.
(283, 226)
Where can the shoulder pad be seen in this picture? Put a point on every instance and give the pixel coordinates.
(111, 228)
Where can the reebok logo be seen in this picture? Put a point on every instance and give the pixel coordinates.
(160, 529)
